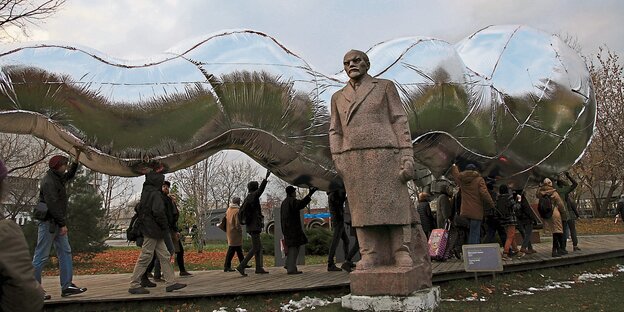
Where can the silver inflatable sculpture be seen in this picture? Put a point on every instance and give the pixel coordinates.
(512, 99)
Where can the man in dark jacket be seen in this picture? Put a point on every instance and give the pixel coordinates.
(526, 218)
(251, 216)
(19, 291)
(292, 228)
(336, 200)
(154, 226)
(569, 226)
(53, 228)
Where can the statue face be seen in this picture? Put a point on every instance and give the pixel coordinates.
(355, 65)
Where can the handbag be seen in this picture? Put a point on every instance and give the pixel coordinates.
(223, 224)
(40, 212)
(461, 222)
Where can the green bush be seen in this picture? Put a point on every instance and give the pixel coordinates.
(319, 240)
(267, 243)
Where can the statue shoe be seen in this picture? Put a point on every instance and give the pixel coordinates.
(403, 259)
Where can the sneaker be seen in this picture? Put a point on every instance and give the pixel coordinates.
(521, 254)
(185, 273)
(333, 268)
(228, 270)
(575, 248)
(147, 283)
(347, 266)
(158, 280)
(175, 286)
(531, 251)
(506, 258)
(72, 290)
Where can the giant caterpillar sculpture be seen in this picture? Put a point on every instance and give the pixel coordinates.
(514, 100)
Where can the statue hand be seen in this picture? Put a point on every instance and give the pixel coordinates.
(407, 168)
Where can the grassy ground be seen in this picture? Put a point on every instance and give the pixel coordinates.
(496, 294)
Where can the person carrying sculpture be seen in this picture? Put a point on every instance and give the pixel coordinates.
(19, 290)
(474, 196)
(174, 246)
(427, 220)
(154, 226)
(506, 207)
(290, 218)
(553, 224)
(53, 228)
(371, 148)
(336, 200)
(251, 216)
(569, 226)
(526, 219)
(234, 234)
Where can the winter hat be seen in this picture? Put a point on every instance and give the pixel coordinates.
(548, 182)
(471, 167)
(3, 171)
(57, 161)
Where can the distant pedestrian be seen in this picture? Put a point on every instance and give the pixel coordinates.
(154, 227)
(19, 290)
(234, 233)
(427, 220)
(620, 207)
(251, 216)
(336, 201)
(348, 265)
(292, 228)
(53, 229)
(474, 196)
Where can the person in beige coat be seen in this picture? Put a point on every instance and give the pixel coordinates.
(19, 291)
(554, 223)
(234, 232)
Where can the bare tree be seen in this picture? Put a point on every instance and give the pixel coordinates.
(25, 157)
(22, 14)
(603, 164)
(116, 193)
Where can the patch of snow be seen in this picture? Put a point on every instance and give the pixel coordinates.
(241, 310)
(307, 302)
(592, 276)
(620, 268)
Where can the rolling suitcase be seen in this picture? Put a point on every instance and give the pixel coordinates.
(438, 242)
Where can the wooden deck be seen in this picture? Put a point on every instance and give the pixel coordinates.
(114, 287)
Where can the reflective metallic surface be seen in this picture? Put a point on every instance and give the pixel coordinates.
(512, 99)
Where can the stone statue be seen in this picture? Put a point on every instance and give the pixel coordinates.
(372, 151)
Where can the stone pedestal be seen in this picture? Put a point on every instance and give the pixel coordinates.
(387, 280)
(422, 300)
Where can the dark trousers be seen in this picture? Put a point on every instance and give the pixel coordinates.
(339, 233)
(238, 250)
(494, 226)
(526, 229)
(570, 230)
(256, 251)
(291, 258)
(557, 242)
(563, 238)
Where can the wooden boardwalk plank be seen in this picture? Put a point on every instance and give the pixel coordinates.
(114, 287)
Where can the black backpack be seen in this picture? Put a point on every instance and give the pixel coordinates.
(545, 207)
(243, 211)
(134, 232)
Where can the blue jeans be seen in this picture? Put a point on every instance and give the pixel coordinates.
(63, 252)
(474, 237)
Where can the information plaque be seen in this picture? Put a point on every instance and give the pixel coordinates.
(482, 258)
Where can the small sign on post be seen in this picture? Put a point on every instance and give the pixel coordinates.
(482, 258)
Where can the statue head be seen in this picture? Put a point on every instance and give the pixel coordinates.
(356, 64)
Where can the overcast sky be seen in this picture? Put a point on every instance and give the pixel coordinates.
(321, 31)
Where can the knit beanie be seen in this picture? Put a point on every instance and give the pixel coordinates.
(57, 161)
